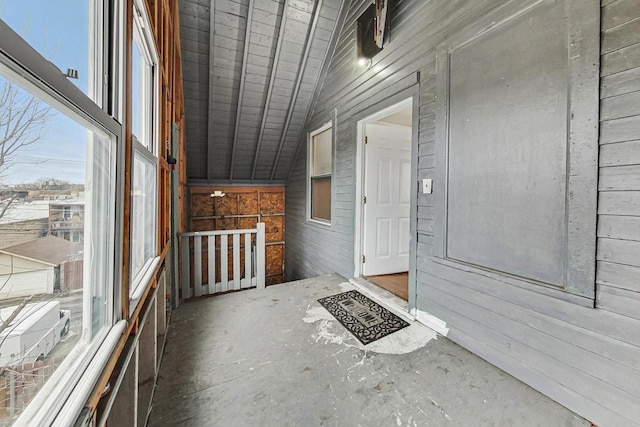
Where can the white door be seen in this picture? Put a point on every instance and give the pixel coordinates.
(387, 188)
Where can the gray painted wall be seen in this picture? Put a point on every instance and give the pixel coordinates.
(250, 71)
(586, 358)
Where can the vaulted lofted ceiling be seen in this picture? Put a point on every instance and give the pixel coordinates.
(251, 68)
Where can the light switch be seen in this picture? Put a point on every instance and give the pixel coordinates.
(426, 185)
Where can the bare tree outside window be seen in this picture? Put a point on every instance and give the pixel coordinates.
(23, 121)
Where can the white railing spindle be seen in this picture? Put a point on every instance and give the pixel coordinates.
(186, 268)
(197, 266)
(246, 282)
(211, 263)
(260, 258)
(236, 262)
(224, 262)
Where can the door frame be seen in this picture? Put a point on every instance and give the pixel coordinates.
(403, 100)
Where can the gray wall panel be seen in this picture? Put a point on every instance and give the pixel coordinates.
(586, 358)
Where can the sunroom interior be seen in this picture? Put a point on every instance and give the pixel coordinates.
(157, 156)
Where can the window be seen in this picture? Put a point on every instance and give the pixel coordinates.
(142, 83)
(517, 156)
(66, 146)
(70, 312)
(320, 171)
(145, 162)
(64, 33)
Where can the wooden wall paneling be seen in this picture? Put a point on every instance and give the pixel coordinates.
(241, 208)
(126, 203)
(275, 260)
(248, 203)
(248, 222)
(124, 406)
(202, 205)
(274, 228)
(147, 347)
(203, 224)
(271, 203)
(165, 26)
(226, 205)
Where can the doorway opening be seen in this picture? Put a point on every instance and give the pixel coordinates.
(383, 228)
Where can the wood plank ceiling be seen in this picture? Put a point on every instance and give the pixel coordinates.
(251, 68)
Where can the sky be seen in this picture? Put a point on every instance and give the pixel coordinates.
(58, 29)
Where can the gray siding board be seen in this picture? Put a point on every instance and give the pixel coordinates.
(624, 105)
(619, 227)
(618, 12)
(621, 60)
(594, 343)
(620, 83)
(619, 251)
(537, 344)
(618, 300)
(620, 276)
(489, 345)
(609, 325)
(238, 8)
(620, 178)
(267, 6)
(621, 36)
(619, 203)
(620, 154)
(620, 130)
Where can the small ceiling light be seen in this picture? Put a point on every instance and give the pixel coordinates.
(217, 193)
(364, 62)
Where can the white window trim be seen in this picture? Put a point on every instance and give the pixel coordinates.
(324, 127)
(142, 31)
(142, 27)
(141, 280)
(25, 66)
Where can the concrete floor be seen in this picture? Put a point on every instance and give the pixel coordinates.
(275, 357)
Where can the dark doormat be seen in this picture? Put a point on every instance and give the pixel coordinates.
(365, 319)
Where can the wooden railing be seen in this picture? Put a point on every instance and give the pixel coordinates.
(206, 264)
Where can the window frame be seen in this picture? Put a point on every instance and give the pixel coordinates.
(582, 148)
(25, 66)
(310, 176)
(141, 32)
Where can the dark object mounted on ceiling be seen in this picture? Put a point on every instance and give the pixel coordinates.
(371, 29)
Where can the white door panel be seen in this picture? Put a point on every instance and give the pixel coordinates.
(387, 187)
(403, 244)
